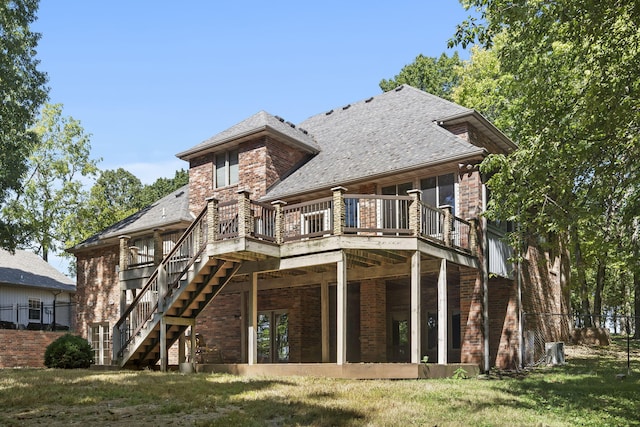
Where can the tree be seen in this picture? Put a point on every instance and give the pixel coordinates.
(23, 91)
(52, 190)
(163, 186)
(437, 76)
(574, 91)
(114, 196)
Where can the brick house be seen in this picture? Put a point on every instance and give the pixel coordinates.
(351, 244)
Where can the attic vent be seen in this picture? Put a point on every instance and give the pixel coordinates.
(304, 131)
(280, 118)
(291, 124)
(399, 88)
(179, 194)
(369, 100)
(329, 112)
(346, 106)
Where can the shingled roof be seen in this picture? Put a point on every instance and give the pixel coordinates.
(261, 122)
(393, 132)
(170, 210)
(25, 268)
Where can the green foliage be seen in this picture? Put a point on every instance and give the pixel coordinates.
(52, 190)
(569, 100)
(68, 352)
(161, 187)
(437, 76)
(23, 91)
(460, 374)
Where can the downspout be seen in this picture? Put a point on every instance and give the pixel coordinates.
(485, 281)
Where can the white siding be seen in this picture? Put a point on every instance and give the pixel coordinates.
(14, 305)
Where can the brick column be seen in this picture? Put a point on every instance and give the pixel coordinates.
(244, 213)
(448, 224)
(338, 210)
(212, 219)
(279, 221)
(415, 212)
(158, 254)
(471, 317)
(124, 252)
(373, 321)
(473, 235)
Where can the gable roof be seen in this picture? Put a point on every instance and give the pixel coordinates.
(172, 209)
(260, 123)
(390, 133)
(25, 268)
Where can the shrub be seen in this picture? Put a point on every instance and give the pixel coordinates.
(68, 352)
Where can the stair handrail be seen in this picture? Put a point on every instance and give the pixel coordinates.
(121, 326)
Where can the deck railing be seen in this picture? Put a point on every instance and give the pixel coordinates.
(308, 219)
(366, 214)
(264, 220)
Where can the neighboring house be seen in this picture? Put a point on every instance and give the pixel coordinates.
(33, 294)
(351, 244)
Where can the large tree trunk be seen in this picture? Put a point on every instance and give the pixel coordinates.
(597, 298)
(582, 279)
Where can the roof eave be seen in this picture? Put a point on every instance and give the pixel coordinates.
(479, 120)
(244, 136)
(479, 152)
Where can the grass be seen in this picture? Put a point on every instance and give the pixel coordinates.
(583, 392)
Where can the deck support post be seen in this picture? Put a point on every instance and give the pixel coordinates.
(442, 313)
(164, 363)
(252, 332)
(341, 310)
(416, 336)
(324, 308)
(123, 265)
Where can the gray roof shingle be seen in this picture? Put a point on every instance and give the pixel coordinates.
(388, 133)
(25, 268)
(171, 209)
(261, 121)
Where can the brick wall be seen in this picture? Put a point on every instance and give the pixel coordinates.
(261, 163)
(98, 287)
(373, 321)
(25, 349)
(471, 323)
(503, 323)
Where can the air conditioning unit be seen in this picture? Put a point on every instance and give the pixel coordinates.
(554, 353)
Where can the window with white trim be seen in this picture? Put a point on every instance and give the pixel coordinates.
(226, 169)
(34, 309)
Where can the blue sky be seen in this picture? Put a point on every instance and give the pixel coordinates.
(148, 79)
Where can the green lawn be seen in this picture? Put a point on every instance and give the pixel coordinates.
(583, 392)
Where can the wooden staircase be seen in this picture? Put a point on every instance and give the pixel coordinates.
(183, 284)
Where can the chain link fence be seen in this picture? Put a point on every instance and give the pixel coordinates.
(546, 337)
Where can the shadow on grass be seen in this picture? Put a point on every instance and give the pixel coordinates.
(150, 397)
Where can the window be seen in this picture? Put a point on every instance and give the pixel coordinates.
(34, 309)
(273, 337)
(100, 340)
(226, 169)
(439, 191)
